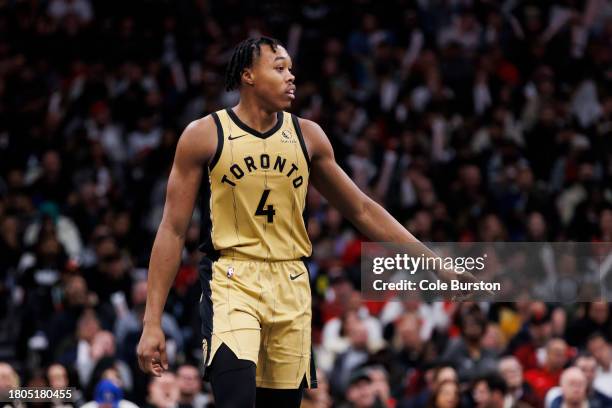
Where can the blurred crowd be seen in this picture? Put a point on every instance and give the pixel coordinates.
(469, 120)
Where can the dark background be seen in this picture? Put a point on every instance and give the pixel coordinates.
(468, 120)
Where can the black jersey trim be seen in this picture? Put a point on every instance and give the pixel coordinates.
(206, 245)
(247, 128)
(298, 129)
(220, 138)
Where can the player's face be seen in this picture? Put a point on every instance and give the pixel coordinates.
(272, 78)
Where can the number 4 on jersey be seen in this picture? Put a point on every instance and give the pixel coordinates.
(262, 209)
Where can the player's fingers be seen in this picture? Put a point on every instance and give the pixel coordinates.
(144, 361)
(157, 366)
(463, 296)
(156, 369)
(163, 356)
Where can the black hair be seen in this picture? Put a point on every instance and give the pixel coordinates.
(596, 335)
(582, 354)
(494, 382)
(478, 317)
(242, 58)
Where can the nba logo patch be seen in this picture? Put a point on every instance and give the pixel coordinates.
(230, 271)
(287, 136)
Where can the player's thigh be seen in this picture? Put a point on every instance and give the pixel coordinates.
(284, 356)
(236, 321)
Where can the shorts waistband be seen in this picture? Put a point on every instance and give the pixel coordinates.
(228, 255)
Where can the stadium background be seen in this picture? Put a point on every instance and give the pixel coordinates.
(468, 120)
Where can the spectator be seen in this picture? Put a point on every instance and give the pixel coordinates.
(59, 9)
(431, 316)
(518, 390)
(318, 397)
(355, 355)
(587, 364)
(190, 388)
(360, 393)
(87, 329)
(102, 361)
(602, 352)
(532, 336)
(466, 353)
(9, 379)
(57, 378)
(446, 395)
(409, 344)
(100, 128)
(489, 392)
(380, 383)
(42, 279)
(493, 339)
(573, 389)
(547, 376)
(439, 375)
(129, 326)
(50, 184)
(76, 300)
(597, 319)
(334, 334)
(65, 229)
(163, 391)
(107, 393)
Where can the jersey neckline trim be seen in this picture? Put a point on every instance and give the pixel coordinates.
(247, 128)
(215, 158)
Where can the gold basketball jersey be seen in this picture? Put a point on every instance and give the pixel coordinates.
(258, 185)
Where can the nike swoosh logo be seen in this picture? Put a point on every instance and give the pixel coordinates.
(294, 277)
(230, 137)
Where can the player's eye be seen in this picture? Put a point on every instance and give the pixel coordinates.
(280, 69)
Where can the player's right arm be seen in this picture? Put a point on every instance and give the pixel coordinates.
(195, 147)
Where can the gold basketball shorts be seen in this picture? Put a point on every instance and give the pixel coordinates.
(262, 312)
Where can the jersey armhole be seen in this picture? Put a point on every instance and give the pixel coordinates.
(298, 130)
(220, 138)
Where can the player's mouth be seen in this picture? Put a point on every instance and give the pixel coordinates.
(291, 92)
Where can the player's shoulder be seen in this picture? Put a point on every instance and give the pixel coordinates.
(311, 131)
(201, 125)
(307, 125)
(199, 137)
(315, 138)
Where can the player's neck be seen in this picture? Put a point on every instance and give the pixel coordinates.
(254, 116)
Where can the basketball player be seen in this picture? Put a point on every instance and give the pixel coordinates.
(252, 164)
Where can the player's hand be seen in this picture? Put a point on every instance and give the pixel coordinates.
(152, 357)
(471, 295)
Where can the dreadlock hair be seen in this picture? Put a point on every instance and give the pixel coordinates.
(243, 58)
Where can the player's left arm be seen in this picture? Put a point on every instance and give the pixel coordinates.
(334, 184)
(367, 215)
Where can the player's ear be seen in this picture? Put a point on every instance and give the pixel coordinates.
(247, 77)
